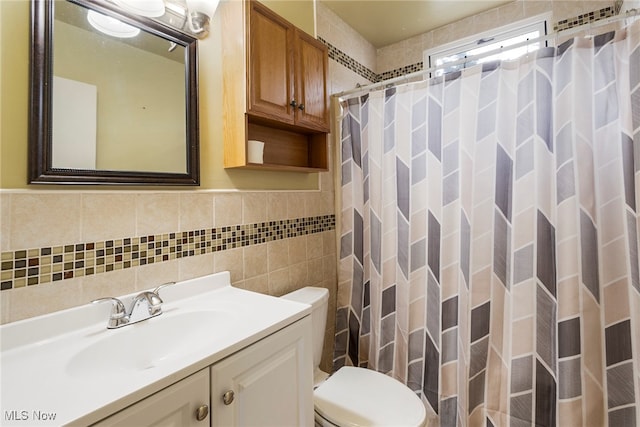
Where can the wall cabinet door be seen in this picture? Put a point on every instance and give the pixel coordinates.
(267, 384)
(183, 404)
(311, 82)
(287, 72)
(271, 83)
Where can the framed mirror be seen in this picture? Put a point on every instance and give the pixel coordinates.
(110, 108)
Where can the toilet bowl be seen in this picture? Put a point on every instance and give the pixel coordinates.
(352, 396)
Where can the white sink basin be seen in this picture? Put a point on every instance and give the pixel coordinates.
(70, 364)
(150, 343)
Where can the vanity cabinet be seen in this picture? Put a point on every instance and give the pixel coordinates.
(176, 405)
(283, 100)
(268, 383)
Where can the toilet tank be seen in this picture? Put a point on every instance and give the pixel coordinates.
(318, 299)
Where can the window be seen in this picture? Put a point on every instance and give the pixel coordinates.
(497, 40)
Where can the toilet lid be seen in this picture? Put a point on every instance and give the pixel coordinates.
(362, 397)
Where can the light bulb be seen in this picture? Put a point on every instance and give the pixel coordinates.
(111, 26)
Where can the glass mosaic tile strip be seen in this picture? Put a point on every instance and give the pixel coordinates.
(344, 59)
(29, 267)
(585, 18)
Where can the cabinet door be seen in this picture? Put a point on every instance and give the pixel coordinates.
(267, 384)
(270, 64)
(311, 82)
(175, 406)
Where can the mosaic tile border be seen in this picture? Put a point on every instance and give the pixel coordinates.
(355, 66)
(31, 267)
(344, 59)
(586, 18)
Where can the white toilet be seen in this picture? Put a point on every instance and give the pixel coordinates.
(353, 396)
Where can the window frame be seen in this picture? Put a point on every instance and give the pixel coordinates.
(495, 35)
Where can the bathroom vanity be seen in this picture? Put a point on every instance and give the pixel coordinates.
(216, 356)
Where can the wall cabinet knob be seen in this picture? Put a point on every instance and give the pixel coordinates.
(227, 398)
(202, 412)
(293, 103)
(301, 107)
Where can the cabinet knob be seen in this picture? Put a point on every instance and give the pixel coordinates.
(293, 103)
(227, 398)
(202, 412)
(301, 107)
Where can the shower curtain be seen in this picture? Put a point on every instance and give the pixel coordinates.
(489, 234)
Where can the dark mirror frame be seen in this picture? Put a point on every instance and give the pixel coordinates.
(40, 102)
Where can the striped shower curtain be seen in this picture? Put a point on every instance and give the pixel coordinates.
(489, 238)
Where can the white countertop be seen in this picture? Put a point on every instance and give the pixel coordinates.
(41, 386)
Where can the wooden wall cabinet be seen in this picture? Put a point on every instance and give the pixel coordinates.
(284, 94)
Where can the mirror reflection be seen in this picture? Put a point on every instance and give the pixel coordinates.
(104, 121)
(121, 100)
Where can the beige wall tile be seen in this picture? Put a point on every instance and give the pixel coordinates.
(254, 207)
(157, 213)
(227, 209)
(297, 249)
(255, 261)
(279, 283)
(5, 307)
(230, 260)
(108, 216)
(296, 205)
(315, 272)
(44, 219)
(329, 268)
(486, 20)
(152, 275)
(196, 211)
(5, 222)
(276, 206)
(278, 254)
(314, 246)
(298, 276)
(511, 12)
(196, 266)
(329, 242)
(256, 284)
(47, 298)
(112, 284)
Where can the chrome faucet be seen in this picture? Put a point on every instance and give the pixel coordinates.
(145, 305)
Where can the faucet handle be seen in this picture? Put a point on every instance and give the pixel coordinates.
(118, 314)
(164, 285)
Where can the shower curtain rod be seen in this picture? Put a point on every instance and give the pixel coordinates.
(405, 78)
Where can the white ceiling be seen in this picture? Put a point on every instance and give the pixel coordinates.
(384, 22)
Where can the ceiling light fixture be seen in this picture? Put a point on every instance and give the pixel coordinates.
(111, 26)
